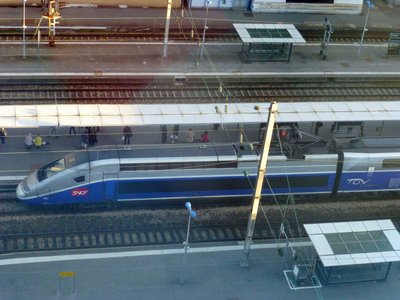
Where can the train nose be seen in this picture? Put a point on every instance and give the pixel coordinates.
(23, 189)
(20, 193)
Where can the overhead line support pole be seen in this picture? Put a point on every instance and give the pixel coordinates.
(168, 18)
(244, 262)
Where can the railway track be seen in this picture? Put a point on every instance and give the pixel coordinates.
(196, 91)
(220, 35)
(59, 230)
(12, 243)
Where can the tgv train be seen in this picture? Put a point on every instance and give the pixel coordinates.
(186, 171)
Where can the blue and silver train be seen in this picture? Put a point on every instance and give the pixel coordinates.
(188, 171)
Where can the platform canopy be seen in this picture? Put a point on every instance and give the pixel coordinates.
(268, 33)
(355, 243)
(165, 114)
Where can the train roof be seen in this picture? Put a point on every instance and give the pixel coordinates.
(373, 145)
(218, 151)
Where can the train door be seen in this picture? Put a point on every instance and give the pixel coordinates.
(110, 186)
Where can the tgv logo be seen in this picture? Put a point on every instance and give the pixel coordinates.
(357, 181)
(79, 192)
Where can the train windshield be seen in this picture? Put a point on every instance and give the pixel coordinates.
(51, 169)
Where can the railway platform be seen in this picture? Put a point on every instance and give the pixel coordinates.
(97, 58)
(210, 272)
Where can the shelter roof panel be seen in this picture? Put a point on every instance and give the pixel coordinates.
(129, 109)
(111, 120)
(327, 228)
(133, 120)
(25, 111)
(371, 225)
(321, 244)
(150, 109)
(46, 110)
(68, 110)
(356, 106)
(7, 122)
(386, 224)
(47, 121)
(391, 105)
(89, 110)
(375, 257)
(338, 106)
(393, 238)
(178, 119)
(7, 111)
(342, 227)
(90, 120)
(69, 121)
(374, 106)
(189, 109)
(312, 229)
(26, 122)
(109, 109)
(357, 226)
(170, 110)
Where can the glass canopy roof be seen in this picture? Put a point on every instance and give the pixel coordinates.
(352, 243)
(269, 33)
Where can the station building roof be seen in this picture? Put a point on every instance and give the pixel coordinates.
(269, 33)
(355, 243)
(24, 116)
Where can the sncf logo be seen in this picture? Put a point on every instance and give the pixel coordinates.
(79, 192)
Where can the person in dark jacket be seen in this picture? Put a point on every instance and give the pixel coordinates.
(127, 132)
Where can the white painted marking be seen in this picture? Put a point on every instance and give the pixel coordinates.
(71, 257)
(100, 73)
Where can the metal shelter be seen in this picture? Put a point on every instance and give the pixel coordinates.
(354, 251)
(23, 116)
(268, 42)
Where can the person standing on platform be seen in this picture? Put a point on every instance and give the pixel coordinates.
(164, 134)
(94, 134)
(28, 141)
(204, 137)
(3, 135)
(127, 132)
(190, 137)
(85, 139)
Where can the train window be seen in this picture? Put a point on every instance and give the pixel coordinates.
(79, 179)
(227, 164)
(51, 169)
(177, 165)
(391, 163)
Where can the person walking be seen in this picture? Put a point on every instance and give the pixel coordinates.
(190, 136)
(3, 135)
(127, 134)
(204, 137)
(28, 141)
(72, 129)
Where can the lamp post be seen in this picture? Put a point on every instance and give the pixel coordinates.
(205, 28)
(192, 214)
(370, 5)
(23, 31)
